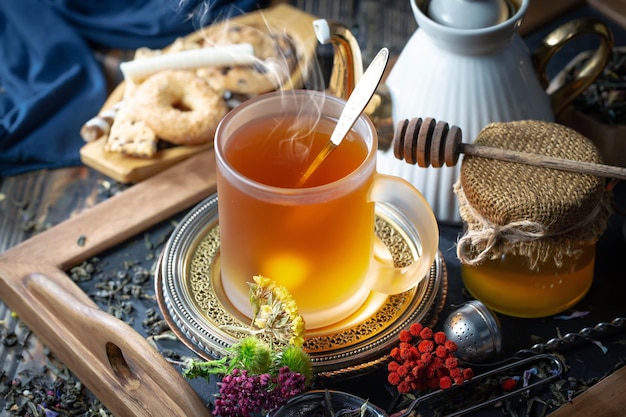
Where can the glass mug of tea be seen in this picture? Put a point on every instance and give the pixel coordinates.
(317, 240)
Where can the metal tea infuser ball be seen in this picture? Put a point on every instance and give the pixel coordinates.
(475, 330)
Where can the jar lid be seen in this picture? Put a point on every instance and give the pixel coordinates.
(528, 210)
(469, 14)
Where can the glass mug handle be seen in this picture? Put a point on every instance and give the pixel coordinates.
(400, 199)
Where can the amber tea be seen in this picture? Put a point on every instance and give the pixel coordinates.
(276, 151)
(319, 251)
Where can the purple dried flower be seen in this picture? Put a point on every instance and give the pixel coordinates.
(241, 394)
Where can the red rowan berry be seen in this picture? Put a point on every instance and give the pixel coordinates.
(393, 378)
(439, 338)
(404, 387)
(426, 333)
(436, 363)
(452, 362)
(450, 345)
(441, 351)
(468, 373)
(405, 336)
(445, 382)
(426, 346)
(415, 329)
(509, 384)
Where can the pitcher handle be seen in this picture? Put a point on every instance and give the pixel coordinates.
(398, 198)
(591, 69)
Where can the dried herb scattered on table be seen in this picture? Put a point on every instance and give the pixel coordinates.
(605, 99)
(48, 391)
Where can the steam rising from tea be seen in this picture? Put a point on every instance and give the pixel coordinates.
(276, 56)
(277, 150)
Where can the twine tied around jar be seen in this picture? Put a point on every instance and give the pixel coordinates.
(494, 239)
(539, 213)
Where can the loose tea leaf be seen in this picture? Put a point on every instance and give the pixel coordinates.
(605, 99)
(48, 391)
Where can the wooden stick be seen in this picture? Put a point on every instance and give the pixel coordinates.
(431, 143)
(544, 161)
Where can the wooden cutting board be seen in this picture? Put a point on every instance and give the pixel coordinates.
(605, 399)
(282, 17)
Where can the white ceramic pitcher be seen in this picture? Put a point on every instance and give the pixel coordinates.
(467, 65)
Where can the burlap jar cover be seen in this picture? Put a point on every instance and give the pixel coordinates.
(536, 212)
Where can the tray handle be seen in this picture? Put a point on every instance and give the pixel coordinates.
(114, 361)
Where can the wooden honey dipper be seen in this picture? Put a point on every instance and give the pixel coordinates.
(431, 143)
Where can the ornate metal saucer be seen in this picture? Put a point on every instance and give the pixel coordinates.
(192, 300)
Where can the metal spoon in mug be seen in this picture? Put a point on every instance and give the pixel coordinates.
(362, 94)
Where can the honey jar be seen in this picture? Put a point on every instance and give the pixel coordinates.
(528, 247)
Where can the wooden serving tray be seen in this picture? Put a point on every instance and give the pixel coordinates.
(114, 361)
(283, 17)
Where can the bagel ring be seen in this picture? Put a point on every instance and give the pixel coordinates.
(179, 107)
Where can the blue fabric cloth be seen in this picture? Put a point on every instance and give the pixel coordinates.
(50, 81)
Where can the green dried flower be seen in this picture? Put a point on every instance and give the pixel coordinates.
(296, 360)
(201, 369)
(251, 354)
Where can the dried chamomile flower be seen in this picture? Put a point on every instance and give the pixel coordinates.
(276, 312)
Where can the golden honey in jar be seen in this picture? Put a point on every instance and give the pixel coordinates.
(509, 286)
(528, 248)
